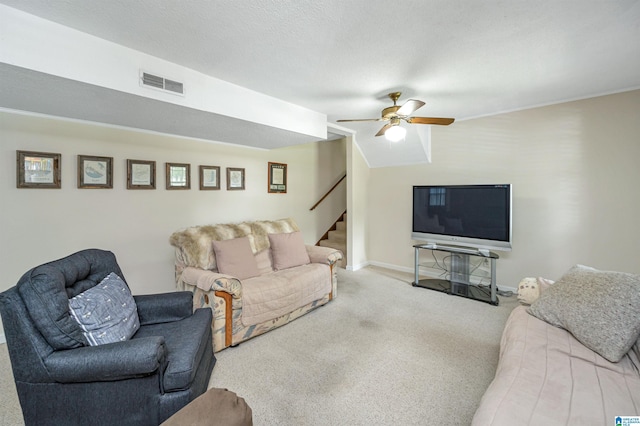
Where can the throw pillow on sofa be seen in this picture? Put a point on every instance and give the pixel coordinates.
(288, 250)
(106, 312)
(600, 308)
(235, 257)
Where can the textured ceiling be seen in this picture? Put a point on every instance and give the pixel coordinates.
(465, 59)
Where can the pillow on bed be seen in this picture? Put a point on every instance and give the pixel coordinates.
(234, 257)
(288, 250)
(600, 308)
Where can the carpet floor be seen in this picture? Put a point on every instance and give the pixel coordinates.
(383, 352)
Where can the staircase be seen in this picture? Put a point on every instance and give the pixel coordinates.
(336, 238)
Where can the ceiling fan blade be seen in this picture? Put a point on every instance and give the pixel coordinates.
(361, 119)
(409, 107)
(384, 129)
(430, 120)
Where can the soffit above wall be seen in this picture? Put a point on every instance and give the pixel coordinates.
(32, 91)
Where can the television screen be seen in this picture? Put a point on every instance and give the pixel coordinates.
(476, 216)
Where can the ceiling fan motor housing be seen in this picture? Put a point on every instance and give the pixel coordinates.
(390, 112)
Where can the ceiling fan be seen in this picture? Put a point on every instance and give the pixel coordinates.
(393, 114)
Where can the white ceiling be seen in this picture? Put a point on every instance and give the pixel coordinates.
(464, 58)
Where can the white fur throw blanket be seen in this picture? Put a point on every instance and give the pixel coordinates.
(197, 249)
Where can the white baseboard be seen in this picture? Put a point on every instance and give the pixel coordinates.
(357, 267)
(390, 266)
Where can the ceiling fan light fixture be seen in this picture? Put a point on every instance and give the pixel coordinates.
(392, 131)
(395, 133)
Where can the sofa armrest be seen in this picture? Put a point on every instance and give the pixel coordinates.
(212, 281)
(113, 361)
(319, 254)
(164, 307)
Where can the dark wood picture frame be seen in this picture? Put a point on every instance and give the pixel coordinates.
(235, 179)
(178, 175)
(38, 169)
(141, 174)
(95, 172)
(277, 183)
(210, 178)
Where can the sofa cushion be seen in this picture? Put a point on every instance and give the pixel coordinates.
(107, 312)
(270, 296)
(288, 250)
(187, 341)
(234, 257)
(600, 308)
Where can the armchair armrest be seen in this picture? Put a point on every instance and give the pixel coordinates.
(164, 307)
(319, 254)
(212, 281)
(113, 361)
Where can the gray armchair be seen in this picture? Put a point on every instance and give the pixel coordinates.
(61, 380)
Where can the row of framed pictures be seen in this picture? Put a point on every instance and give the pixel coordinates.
(42, 170)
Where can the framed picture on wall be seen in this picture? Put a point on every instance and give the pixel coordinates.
(178, 176)
(37, 169)
(209, 177)
(277, 178)
(141, 174)
(235, 179)
(95, 172)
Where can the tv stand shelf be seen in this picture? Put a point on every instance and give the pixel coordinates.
(468, 273)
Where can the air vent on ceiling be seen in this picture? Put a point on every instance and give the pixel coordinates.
(162, 83)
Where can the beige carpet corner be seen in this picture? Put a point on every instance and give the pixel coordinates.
(383, 352)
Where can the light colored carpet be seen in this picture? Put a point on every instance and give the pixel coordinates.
(383, 352)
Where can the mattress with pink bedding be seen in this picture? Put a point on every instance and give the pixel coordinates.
(547, 377)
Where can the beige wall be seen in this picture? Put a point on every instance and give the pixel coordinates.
(358, 214)
(575, 170)
(39, 225)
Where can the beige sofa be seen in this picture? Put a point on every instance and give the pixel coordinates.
(572, 357)
(255, 276)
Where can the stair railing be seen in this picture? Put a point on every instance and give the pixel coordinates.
(328, 192)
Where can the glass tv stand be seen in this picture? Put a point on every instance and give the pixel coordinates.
(462, 272)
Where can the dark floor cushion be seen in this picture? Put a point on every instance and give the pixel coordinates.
(215, 407)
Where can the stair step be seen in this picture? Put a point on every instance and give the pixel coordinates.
(338, 236)
(334, 244)
(337, 239)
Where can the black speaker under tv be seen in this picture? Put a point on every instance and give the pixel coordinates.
(477, 216)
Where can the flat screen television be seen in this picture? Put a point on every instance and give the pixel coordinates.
(476, 216)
